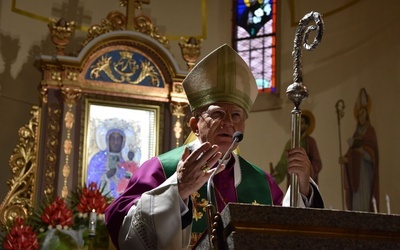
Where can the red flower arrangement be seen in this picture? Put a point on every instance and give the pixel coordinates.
(21, 236)
(57, 214)
(91, 199)
(90, 203)
(57, 219)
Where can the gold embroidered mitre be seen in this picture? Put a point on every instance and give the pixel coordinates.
(221, 76)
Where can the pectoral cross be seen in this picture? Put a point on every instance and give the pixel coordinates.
(131, 5)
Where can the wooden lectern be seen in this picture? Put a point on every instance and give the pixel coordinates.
(247, 226)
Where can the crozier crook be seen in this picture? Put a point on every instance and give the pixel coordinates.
(297, 91)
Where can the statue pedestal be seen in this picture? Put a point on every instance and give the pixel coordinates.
(257, 227)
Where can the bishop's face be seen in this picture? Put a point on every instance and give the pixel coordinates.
(217, 123)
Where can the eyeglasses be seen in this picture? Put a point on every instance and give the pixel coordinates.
(236, 116)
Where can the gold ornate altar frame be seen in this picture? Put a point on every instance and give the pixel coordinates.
(123, 63)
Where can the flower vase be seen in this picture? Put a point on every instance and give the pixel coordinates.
(62, 239)
(99, 241)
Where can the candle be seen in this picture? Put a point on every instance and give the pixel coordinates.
(92, 223)
(388, 203)
(374, 203)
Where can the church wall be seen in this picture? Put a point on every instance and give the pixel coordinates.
(360, 49)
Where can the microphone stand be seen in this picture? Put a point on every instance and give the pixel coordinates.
(214, 225)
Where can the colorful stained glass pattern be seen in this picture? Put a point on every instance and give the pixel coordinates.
(254, 39)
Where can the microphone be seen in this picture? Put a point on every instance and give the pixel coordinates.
(236, 137)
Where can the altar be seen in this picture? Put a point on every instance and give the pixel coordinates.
(247, 226)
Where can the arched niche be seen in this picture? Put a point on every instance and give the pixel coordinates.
(125, 70)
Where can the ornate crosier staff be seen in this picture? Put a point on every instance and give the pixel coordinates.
(340, 113)
(297, 92)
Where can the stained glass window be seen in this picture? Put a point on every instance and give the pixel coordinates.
(254, 39)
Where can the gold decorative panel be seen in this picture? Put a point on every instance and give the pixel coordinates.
(123, 62)
(23, 162)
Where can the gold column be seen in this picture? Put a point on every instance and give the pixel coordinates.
(70, 96)
(178, 112)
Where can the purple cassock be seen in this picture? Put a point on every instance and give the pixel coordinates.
(151, 174)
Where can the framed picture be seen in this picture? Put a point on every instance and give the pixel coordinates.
(118, 139)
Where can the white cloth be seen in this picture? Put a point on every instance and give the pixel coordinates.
(303, 201)
(155, 221)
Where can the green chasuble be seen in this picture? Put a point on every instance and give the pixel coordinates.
(254, 187)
